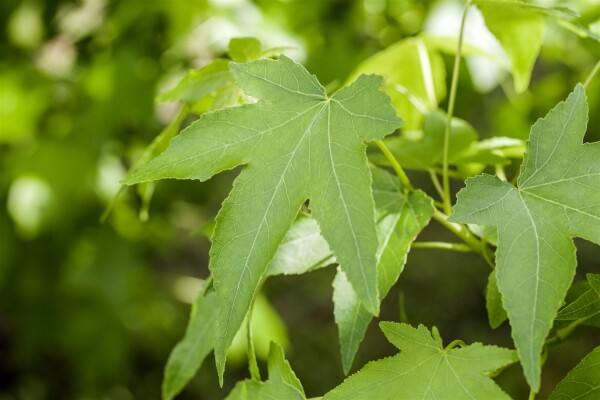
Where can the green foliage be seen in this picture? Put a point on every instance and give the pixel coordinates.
(313, 205)
(426, 370)
(400, 218)
(536, 220)
(187, 357)
(583, 382)
(315, 150)
(282, 382)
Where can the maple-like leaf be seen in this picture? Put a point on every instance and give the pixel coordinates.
(400, 218)
(426, 370)
(556, 198)
(298, 143)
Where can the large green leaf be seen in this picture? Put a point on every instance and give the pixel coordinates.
(400, 218)
(426, 370)
(187, 356)
(299, 144)
(282, 383)
(555, 199)
(582, 382)
(520, 32)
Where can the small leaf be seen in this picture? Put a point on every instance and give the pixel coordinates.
(401, 217)
(244, 49)
(187, 356)
(303, 249)
(201, 82)
(520, 32)
(582, 382)
(299, 144)
(426, 152)
(585, 306)
(425, 370)
(282, 382)
(555, 199)
(493, 302)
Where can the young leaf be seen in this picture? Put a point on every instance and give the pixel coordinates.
(400, 218)
(555, 199)
(426, 370)
(282, 382)
(520, 32)
(187, 356)
(582, 382)
(585, 306)
(298, 144)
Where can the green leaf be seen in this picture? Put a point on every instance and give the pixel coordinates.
(585, 306)
(244, 49)
(201, 82)
(427, 151)
(520, 32)
(582, 382)
(426, 370)
(493, 302)
(559, 13)
(187, 356)
(299, 144)
(400, 218)
(554, 200)
(282, 382)
(415, 77)
(303, 249)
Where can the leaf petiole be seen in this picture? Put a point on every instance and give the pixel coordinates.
(442, 246)
(252, 363)
(592, 74)
(395, 164)
(451, 103)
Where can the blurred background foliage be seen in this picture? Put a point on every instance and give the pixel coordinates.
(91, 310)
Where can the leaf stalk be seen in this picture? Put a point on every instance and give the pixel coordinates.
(451, 104)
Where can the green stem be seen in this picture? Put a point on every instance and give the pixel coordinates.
(395, 164)
(451, 103)
(436, 183)
(442, 246)
(562, 334)
(531, 395)
(252, 363)
(592, 74)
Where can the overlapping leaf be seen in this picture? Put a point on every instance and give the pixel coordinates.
(582, 382)
(299, 144)
(400, 218)
(426, 370)
(557, 197)
(187, 356)
(585, 306)
(282, 383)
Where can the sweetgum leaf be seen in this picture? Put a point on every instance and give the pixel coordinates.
(556, 198)
(493, 302)
(282, 382)
(299, 144)
(582, 382)
(426, 370)
(400, 218)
